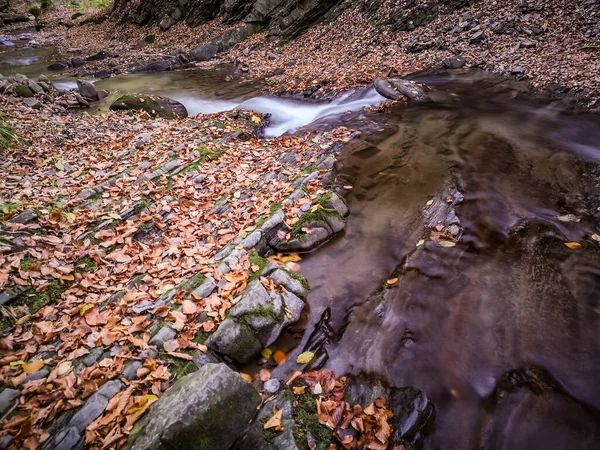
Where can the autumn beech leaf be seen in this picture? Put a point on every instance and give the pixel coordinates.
(119, 257)
(188, 307)
(265, 375)
(573, 245)
(181, 355)
(446, 243)
(279, 357)
(392, 281)
(34, 366)
(275, 420)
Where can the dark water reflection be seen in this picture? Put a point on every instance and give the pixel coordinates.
(501, 331)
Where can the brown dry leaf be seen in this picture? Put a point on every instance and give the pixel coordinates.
(181, 355)
(369, 410)
(189, 307)
(275, 420)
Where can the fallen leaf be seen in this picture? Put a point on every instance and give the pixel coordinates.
(279, 357)
(573, 245)
(275, 420)
(265, 375)
(392, 281)
(34, 366)
(304, 358)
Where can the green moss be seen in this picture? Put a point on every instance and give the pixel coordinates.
(306, 421)
(269, 434)
(85, 265)
(35, 11)
(257, 260)
(309, 169)
(318, 215)
(178, 367)
(23, 91)
(27, 263)
(141, 102)
(301, 279)
(76, 15)
(324, 199)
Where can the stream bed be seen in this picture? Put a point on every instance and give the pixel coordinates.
(501, 330)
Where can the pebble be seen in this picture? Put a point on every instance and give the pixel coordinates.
(272, 386)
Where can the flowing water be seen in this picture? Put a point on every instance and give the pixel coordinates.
(502, 331)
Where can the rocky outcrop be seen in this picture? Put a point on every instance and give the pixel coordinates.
(154, 105)
(259, 316)
(206, 410)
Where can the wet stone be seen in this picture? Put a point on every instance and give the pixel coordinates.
(36, 376)
(206, 288)
(131, 368)
(271, 386)
(282, 278)
(94, 355)
(235, 340)
(163, 335)
(7, 399)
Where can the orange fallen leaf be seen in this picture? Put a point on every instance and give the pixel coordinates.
(246, 377)
(279, 357)
(275, 420)
(34, 366)
(392, 281)
(573, 245)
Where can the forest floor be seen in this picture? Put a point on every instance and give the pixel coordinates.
(86, 271)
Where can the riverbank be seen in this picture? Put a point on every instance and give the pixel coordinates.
(553, 48)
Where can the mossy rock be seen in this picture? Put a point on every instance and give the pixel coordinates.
(23, 91)
(154, 105)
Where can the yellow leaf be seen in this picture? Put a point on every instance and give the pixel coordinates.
(266, 353)
(429, 203)
(17, 363)
(34, 366)
(115, 216)
(421, 242)
(573, 245)
(256, 119)
(86, 308)
(445, 243)
(305, 357)
(150, 397)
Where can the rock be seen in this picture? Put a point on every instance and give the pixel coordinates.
(235, 340)
(36, 375)
(23, 91)
(72, 435)
(272, 386)
(417, 47)
(204, 52)
(58, 66)
(87, 90)
(527, 43)
(7, 399)
(152, 104)
(35, 87)
(206, 288)
(321, 224)
(477, 38)
(43, 78)
(281, 278)
(77, 62)
(130, 370)
(170, 20)
(456, 62)
(206, 410)
(101, 55)
(163, 335)
(33, 103)
(395, 88)
(413, 412)
(201, 359)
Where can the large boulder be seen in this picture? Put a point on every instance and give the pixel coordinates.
(206, 410)
(396, 88)
(204, 52)
(154, 105)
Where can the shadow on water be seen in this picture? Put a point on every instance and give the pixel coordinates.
(501, 330)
